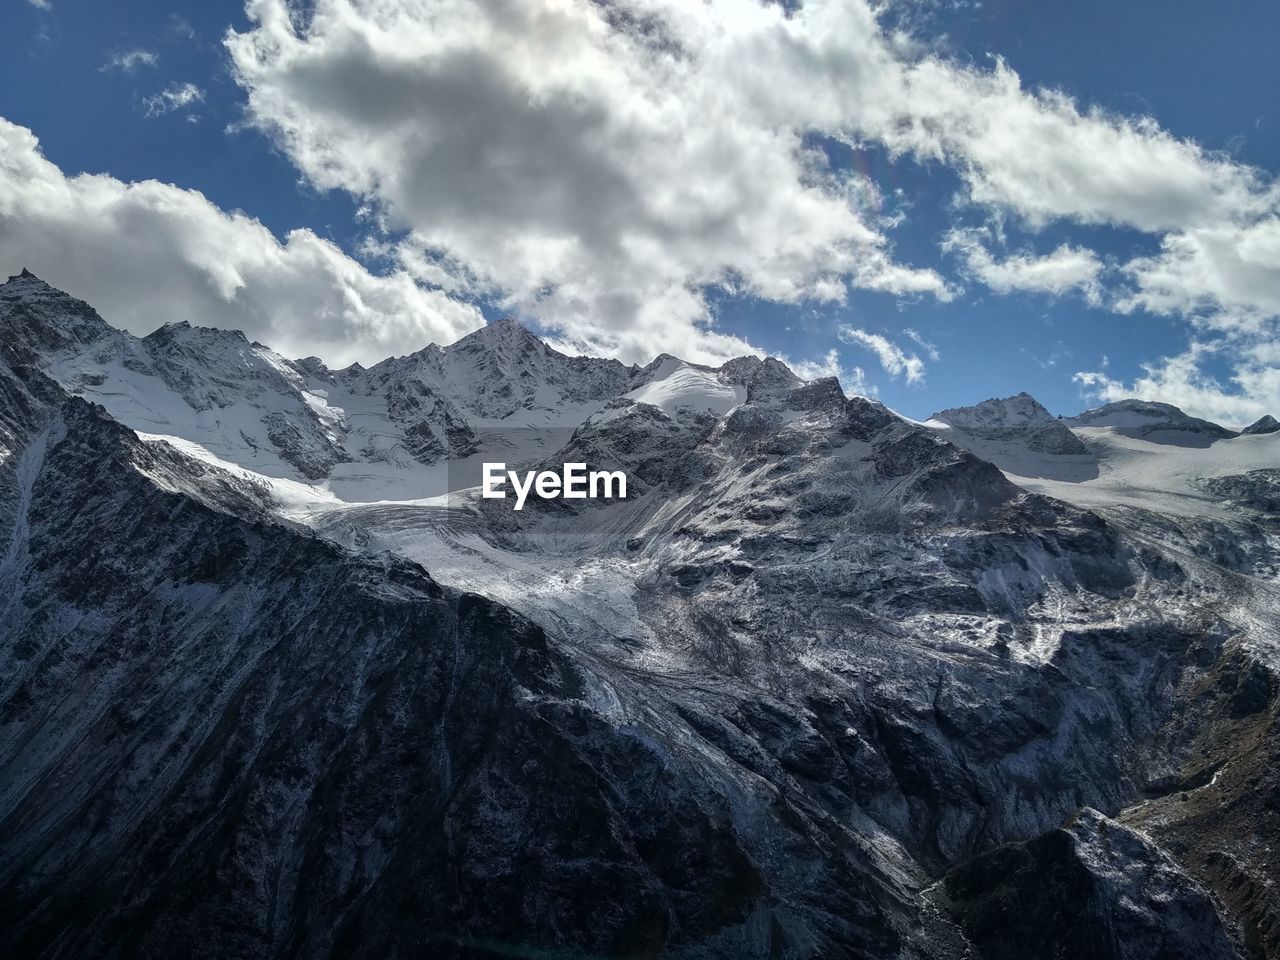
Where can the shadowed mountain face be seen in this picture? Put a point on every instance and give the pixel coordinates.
(1077, 892)
(826, 684)
(224, 737)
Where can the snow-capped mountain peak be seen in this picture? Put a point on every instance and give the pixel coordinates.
(1020, 410)
(1146, 417)
(503, 334)
(773, 378)
(25, 285)
(43, 319)
(1013, 432)
(1264, 424)
(674, 384)
(184, 332)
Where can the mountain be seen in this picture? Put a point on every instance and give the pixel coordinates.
(1020, 436)
(388, 431)
(828, 683)
(1020, 418)
(443, 399)
(1145, 418)
(1029, 899)
(1266, 424)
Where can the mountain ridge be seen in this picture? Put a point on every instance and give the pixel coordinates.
(510, 338)
(808, 693)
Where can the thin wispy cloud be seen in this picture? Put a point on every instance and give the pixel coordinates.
(929, 349)
(893, 359)
(176, 96)
(181, 27)
(129, 61)
(41, 4)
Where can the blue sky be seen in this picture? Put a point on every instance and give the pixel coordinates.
(382, 186)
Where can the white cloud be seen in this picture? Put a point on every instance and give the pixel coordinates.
(595, 164)
(147, 253)
(41, 4)
(1252, 389)
(1041, 158)
(1038, 155)
(176, 96)
(1064, 270)
(930, 350)
(1226, 275)
(127, 61)
(853, 380)
(893, 358)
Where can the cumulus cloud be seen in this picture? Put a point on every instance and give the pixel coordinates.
(893, 358)
(1064, 270)
(147, 253)
(176, 96)
(1038, 155)
(596, 165)
(1225, 275)
(1250, 390)
(128, 61)
(1224, 278)
(1179, 380)
(1041, 158)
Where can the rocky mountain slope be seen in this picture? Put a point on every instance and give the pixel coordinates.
(275, 681)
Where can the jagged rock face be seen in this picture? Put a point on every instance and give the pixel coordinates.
(278, 749)
(39, 319)
(789, 699)
(444, 398)
(433, 427)
(1215, 807)
(806, 533)
(1093, 888)
(808, 457)
(20, 402)
(1257, 490)
(179, 378)
(1016, 411)
(500, 370)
